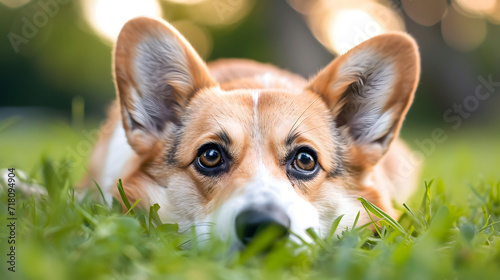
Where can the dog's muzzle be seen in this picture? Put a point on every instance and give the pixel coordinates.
(257, 219)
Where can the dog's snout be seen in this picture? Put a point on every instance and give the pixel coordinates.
(252, 221)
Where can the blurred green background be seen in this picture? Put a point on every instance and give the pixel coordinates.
(56, 80)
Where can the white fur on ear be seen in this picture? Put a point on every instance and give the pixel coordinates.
(156, 73)
(363, 104)
(159, 61)
(161, 69)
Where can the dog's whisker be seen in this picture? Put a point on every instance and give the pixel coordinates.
(215, 119)
(204, 223)
(292, 128)
(198, 226)
(301, 122)
(187, 230)
(319, 126)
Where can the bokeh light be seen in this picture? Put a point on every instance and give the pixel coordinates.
(14, 3)
(108, 16)
(198, 37)
(341, 25)
(186, 2)
(425, 12)
(220, 13)
(301, 6)
(494, 15)
(346, 23)
(477, 6)
(462, 32)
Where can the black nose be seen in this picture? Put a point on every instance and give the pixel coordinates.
(252, 221)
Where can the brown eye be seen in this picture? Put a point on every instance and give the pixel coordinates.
(305, 161)
(212, 160)
(302, 164)
(211, 157)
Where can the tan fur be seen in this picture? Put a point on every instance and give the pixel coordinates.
(220, 100)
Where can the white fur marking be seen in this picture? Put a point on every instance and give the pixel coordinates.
(119, 152)
(257, 135)
(255, 98)
(264, 189)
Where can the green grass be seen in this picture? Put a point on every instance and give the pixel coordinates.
(449, 230)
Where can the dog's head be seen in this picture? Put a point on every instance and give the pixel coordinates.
(246, 158)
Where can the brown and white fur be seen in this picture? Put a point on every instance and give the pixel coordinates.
(170, 103)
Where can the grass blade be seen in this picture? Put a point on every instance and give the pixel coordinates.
(426, 202)
(381, 214)
(416, 219)
(373, 222)
(356, 220)
(334, 226)
(85, 213)
(119, 185)
(132, 207)
(409, 210)
(153, 214)
(490, 225)
(100, 191)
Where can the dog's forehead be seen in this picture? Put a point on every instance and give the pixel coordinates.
(271, 106)
(258, 114)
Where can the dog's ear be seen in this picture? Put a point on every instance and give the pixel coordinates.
(156, 73)
(369, 90)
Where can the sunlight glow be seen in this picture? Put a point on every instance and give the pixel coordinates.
(197, 36)
(461, 32)
(14, 3)
(219, 13)
(108, 16)
(494, 16)
(347, 28)
(186, 2)
(341, 25)
(477, 6)
(425, 12)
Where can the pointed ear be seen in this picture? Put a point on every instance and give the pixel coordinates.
(369, 90)
(156, 73)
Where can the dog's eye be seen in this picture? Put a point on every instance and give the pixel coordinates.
(305, 161)
(303, 164)
(210, 158)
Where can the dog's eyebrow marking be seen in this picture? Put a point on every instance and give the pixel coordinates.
(290, 139)
(224, 137)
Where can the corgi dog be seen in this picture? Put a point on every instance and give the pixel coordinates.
(236, 146)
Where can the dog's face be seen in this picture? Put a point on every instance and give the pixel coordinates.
(245, 158)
